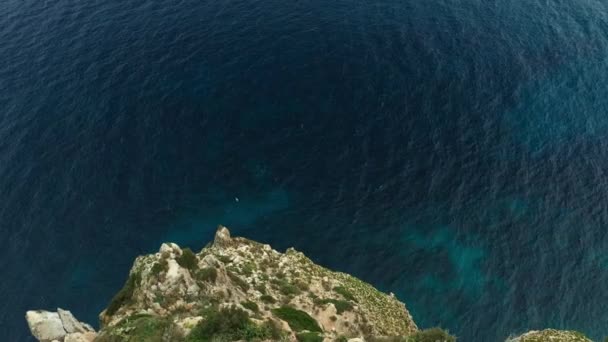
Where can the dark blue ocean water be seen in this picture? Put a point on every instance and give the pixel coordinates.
(454, 152)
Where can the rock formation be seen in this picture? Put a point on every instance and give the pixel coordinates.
(236, 289)
(550, 335)
(58, 326)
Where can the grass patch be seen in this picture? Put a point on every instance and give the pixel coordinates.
(125, 294)
(345, 293)
(309, 337)
(187, 259)
(297, 320)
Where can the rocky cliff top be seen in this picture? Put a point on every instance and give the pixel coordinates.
(236, 289)
(551, 335)
(285, 291)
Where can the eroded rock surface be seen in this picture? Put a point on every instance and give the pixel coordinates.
(60, 326)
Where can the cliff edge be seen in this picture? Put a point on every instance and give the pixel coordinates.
(236, 289)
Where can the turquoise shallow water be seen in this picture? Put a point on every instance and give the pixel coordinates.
(452, 152)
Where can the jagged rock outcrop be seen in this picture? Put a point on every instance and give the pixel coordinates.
(59, 326)
(550, 335)
(282, 293)
(236, 289)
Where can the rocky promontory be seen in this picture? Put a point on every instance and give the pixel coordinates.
(236, 289)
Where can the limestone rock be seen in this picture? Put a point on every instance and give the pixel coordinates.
(45, 326)
(222, 237)
(59, 326)
(71, 324)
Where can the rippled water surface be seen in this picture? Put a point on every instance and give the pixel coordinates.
(452, 152)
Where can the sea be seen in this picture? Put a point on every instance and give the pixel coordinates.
(453, 152)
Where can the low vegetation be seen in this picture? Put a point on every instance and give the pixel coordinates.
(125, 294)
(160, 267)
(431, 335)
(138, 328)
(268, 299)
(285, 287)
(251, 306)
(187, 259)
(345, 293)
(238, 281)
(207, 274)
(298, 320)
(341, 305)
(309, 337)
(231, 324)
(223, 258)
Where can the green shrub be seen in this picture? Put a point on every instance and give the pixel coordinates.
(345, 293)
(161, 266)
(219, 322)
(431, 335)
(208, 274)
(238, 281)
(268, 299)
(309, 337)
(229, 324)
(274, 330)
(341, 305)
(261, 288)
(250, 305)
(187, 259)
(125, 294)
(247, 268)
(285, 287)
(341, 339)
(297, 320)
